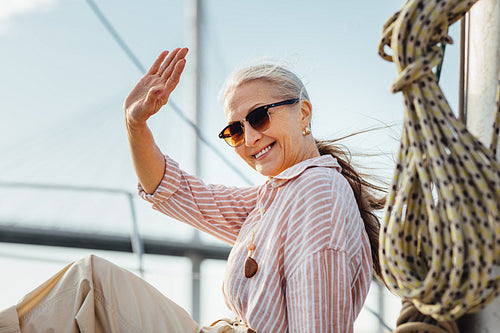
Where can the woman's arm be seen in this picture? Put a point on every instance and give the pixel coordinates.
(216, 209)
(146, 99)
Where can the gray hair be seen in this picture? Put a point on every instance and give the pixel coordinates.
(287, 83)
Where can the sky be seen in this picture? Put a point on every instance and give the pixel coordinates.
(64, 79)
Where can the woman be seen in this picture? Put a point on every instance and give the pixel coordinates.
(310, 257)
(301, 259)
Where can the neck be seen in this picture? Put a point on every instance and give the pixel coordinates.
(310, 148)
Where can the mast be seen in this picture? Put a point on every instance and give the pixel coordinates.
(193, 23)
(482, 45)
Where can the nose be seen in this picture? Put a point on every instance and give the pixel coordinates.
(251, 135)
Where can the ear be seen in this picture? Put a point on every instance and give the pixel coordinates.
(305, 113)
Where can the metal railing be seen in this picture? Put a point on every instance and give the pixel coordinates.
(196, 251)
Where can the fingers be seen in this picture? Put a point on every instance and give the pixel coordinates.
(170, 62)
(166, 72)
(158, 95)
(174, 78)
(156, 65)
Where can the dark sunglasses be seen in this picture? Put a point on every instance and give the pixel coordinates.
(258, 118)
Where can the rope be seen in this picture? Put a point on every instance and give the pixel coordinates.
(441, 231)
(410, 321)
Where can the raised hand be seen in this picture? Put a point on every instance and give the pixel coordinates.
(153, 90)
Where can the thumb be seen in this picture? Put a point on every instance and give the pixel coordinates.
(156, 98)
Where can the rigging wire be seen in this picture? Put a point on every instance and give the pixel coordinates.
(379, 318)
(128, 51)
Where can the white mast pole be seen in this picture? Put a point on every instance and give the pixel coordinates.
(484, 67)
(193, 18)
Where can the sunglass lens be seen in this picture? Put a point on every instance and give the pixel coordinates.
(234, 134)
(259, 119)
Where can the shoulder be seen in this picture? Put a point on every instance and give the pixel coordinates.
(321, 186)
(322, 207)
(319, 176)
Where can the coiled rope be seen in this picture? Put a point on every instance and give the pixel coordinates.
(441, 233)
(412, 321)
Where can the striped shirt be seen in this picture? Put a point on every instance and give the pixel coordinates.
(313, 253)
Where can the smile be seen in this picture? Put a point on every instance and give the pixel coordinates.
(263, 151)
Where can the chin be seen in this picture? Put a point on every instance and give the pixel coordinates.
(266, 172)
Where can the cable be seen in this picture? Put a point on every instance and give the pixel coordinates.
(116, 36)
(441, 234)
(379, 318)
(439, 67)
(496, 124)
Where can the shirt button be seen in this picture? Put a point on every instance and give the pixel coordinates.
(262, 210)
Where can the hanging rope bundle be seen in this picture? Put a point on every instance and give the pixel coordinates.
(412, 321)
(441, 234)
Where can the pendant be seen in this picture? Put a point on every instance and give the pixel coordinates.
(251, 267)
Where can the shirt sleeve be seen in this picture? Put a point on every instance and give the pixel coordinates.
(319, 295)
(216, 209)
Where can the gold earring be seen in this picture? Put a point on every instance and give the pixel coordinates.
(306, 131)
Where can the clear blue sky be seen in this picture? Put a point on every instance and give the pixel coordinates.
(64, 78)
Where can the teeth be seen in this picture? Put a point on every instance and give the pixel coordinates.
(262, 152)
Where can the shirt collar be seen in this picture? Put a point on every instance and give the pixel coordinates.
(325, 161)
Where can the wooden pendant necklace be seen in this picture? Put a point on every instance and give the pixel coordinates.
(251, 265)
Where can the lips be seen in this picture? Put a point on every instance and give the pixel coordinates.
(263, 151)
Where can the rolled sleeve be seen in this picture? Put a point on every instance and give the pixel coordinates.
(169, 184)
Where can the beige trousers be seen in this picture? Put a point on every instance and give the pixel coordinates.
(93, 295)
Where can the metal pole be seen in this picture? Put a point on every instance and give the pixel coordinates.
(196, 287)
(193, 22)
(381, 304)
(463, 67)
(136, 240)
(484, 67)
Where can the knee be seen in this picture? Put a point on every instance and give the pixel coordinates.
(104, 274)
(99, 265)
(88, 263)
(96, 262)
(93, 267)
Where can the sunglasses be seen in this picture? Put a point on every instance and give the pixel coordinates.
(258, 118)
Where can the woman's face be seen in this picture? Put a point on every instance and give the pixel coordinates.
(282, 144)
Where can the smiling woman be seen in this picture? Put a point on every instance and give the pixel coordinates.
(308, 234)
(69, 131)
(304, 244)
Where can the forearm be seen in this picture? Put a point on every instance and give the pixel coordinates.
(147, 158)
(146, 99)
